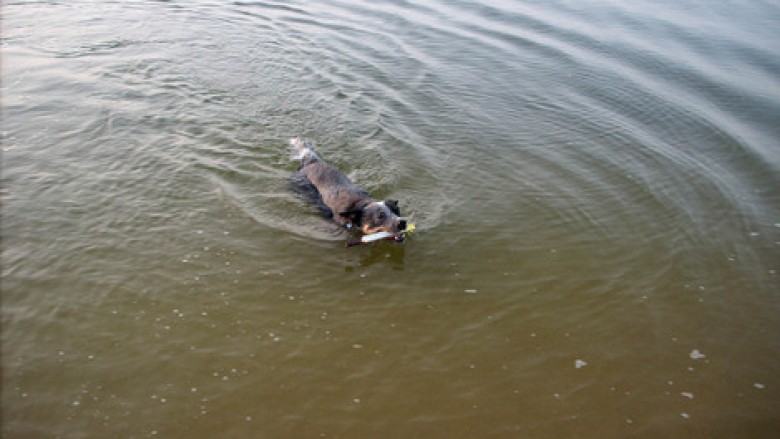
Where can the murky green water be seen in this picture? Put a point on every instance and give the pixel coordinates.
(596, 188)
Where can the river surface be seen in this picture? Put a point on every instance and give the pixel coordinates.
(596, 189)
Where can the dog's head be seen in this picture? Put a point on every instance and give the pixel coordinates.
(379, 216)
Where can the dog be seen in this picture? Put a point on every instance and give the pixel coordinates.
(346, 203)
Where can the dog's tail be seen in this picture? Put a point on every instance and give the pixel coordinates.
(302, 150)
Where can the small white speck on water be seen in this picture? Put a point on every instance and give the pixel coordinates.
(76, 403)
(356, 400)
(685, 415)
(697, 355)
(248, 419)
(357, 346)
(688, 395)
(580, 363)
(193, 389)
(470, 291)
(759, 386)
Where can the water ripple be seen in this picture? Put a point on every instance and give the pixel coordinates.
(593, 183)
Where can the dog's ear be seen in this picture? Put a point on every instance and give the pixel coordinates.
(354, 215)
(393, 206)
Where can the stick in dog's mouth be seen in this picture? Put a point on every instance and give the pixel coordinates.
(397, 237)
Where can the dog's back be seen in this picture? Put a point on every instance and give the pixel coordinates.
(337, 191)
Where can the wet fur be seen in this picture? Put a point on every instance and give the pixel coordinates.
(338, 198)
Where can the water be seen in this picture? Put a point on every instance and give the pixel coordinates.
(596, 188)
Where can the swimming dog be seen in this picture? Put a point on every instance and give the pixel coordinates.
(345, 202)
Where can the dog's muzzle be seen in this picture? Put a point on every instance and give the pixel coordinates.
(399, 237)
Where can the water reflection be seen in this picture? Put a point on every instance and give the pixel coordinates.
(389, 254)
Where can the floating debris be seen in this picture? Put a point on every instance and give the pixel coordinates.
(697, 355)
(580, 363)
